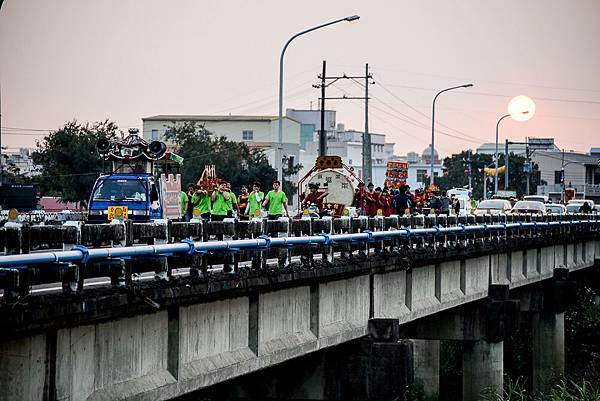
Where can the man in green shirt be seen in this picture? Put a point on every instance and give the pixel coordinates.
(220, 204)
(255, 200)
(201, 201)
(277, 202)
(232, 201)
(184, 204)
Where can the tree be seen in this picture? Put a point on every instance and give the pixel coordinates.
(457, 175)
(288, 186)
(69, 161)
(234, 161)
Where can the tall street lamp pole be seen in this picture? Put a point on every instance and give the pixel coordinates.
(431, 179)
(278, 152)
(505, 156)
(496, 154)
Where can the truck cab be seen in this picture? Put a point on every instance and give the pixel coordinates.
(144, 185)
(137, 194)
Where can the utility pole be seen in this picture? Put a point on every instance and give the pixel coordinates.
(484, 183)
(528, 167)
(469, 164)
(366, 149)
(506, 164)
(322, 134)
(367, 166)
(1, 166)
(562, 175)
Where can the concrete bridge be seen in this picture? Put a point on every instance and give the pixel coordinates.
(239, 297)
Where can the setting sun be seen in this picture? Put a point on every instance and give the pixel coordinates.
(521, 108)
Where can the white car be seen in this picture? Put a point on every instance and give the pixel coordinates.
(555, 208)
(536, 198)
(580, 202)
(526, 206)
(492, 206)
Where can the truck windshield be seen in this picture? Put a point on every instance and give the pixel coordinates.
(120, 190)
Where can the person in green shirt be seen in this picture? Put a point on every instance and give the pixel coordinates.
(232, 201)
(184, 204)
(255, 200)
(277, 202)
(220, 204)
(201, 201)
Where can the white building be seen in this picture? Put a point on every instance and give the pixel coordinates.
(19, 162)
(419, 167)
(258, 132)
(581, 171)
(310, 121)
(340, 142)
(539, 144)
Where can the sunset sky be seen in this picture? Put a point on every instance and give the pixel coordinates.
(128, 59)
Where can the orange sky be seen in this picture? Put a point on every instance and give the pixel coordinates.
(126, 59)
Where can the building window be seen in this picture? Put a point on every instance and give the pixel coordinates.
(154, 134)
(557, 176)
(247, 135)
(421, 174)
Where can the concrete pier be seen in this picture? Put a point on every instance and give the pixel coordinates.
(548, 329)
(483, 368)
(426, 365)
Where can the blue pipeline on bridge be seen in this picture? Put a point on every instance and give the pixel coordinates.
(119, 249)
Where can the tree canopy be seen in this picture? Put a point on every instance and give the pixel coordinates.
(457, 175)
(234, 161)
(69, 161)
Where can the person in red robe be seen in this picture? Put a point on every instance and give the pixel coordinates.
(386, 203)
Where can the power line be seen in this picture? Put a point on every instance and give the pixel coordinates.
(498, 82)
(542, 98)
(423, 114)
(465, 136)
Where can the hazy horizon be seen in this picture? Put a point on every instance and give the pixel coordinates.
(124, 60)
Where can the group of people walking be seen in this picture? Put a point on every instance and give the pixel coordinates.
(388, 201)
(221, 202)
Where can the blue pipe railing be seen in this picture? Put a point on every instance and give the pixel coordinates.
(82, 254)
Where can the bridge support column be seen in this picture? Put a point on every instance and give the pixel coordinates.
(548, 329)
(543, 309)
(483, 368)
(426, 365)
(482, 328)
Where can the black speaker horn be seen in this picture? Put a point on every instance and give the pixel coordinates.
(157, 149)
(103, 146)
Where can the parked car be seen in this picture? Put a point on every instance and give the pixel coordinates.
(492, 206)
(573, 207)
(536, 198)
(533, 207)
(576, 207)
(555, 208)
(581, 202)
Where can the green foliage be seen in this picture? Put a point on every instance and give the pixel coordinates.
(69, 161)
(563, 390)
(234, 161)
(582, 328)
(416, 392)
(457, 178)
(287, 185)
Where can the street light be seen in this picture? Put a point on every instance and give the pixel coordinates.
(520, 108)
(431, 180)
(279, 149)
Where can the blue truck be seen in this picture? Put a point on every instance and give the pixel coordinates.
(144, 184)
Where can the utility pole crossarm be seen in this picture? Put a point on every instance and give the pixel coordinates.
(326, 81)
